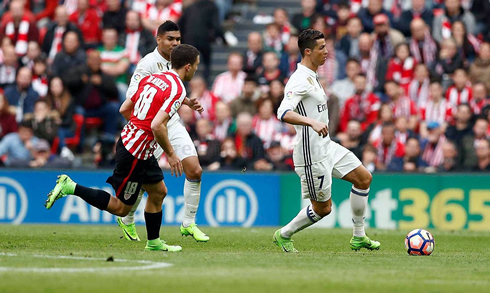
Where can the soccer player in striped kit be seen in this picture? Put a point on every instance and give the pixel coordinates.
(150, 109)
(317, 158)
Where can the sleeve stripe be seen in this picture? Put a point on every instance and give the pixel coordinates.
(282, 116)
(173, 94)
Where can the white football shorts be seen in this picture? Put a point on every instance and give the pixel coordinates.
(180, 140)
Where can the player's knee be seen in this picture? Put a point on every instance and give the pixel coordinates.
(323, 210)
(365, 182)
(194, 173)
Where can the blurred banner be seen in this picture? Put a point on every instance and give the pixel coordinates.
(447, 202)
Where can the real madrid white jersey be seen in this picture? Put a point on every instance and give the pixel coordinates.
(304, 95)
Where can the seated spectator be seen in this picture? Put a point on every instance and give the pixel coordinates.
(72, 55)
(333, 67)
(270, 63)
(93, 90)
(480, 69)
(432, 153)
(18, 145)
(105, 152)
(199, 91)
(88, 22)
(291, 57)
(42, 158)
(351, 139)
(33, 52)
(417, 11)
(365, 43)
(412, 161)
(246, 101)
(453, 11)
(249, 146)
(349, 44)
(468, 45)
(480, 98)
(369, 156)
(40, 76)
(114, 16)
(137, 40)
(229, 159)
(281, 18)
(466, 148)
(362, 107)
(448, 60)
(460, 92)
(42, 121)
(223, 124)
(303, 20)
(158, 12)
(437, 109)
(7, 14)
(43, 11)
(483, 155)
(373, 132)
(388, 148)
(462, 125)
(402, 133)
(367, 14)
(22, 95)
(19, 29)
(339, 28)
(52, 43)
(480, 9)
(276, 93)
(418, 89)
(449, 158)
(265, 124)
(188, 119)
(277, 159)
(252, 57)
(400, 104)
(272, 38)
(7, 117)
(422, 46)
(287, 137)
(115, 62)
(208, 148)
(401, 67)
(8, 68)
(62, 103)
(228, 85)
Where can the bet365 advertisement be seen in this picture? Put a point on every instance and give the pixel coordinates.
(447, 202)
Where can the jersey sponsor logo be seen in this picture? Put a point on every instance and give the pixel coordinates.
(321, 107)
(160, 66)
(13, 201)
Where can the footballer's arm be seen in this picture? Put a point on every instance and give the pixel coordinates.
(160, 132)
(296, 119)
(127, 108)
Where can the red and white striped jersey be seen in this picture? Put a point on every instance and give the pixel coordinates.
(403, 107)
(436, 112)
(266, 130)
(156, 92)
(456, 97)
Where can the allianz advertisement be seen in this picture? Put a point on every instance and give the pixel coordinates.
(446, 202)
(226, 199)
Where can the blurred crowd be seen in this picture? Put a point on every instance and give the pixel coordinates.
(407, 81)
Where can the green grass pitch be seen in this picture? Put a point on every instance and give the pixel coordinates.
(236, 260)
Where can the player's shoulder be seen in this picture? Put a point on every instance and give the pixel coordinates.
(300, 80)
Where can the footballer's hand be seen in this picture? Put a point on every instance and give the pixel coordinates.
(176, 167)
(195, 105)
(320, 128)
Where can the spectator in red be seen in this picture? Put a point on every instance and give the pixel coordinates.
(422, 46)
(349, 44)
(208, 148)
(400, 104)
(281, 18)
(373, 132)
(363, 106)
(20, 29)
(437, 109)
(401, 67)
(52, 43)
(89, 23)
(158, 12)
(228, 85)
(462, 124)
(8, 68)
(273, 38)
(252, 57)
(417, 11)
(40, 76)
(265, 123)
(43, 10)
(249, 146)
(7, 16)
(223, 124)
(7, 117)
(432, 153)
(460, 92)
(402, 132)
(70, 56)
(453, 11)
(418, 89)
(388, 148)
(114, 16)
(200, 91)
(291, 57)
(468, 44)
(480, 98)
(480, 69)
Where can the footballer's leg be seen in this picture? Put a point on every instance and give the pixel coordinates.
(361, 179)
(153, 218)
(127, 223)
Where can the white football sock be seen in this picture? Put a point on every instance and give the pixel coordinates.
(129, 219)
(358, 202)
(192, 193)
(305, 218)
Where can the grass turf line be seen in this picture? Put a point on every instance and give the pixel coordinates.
(243, 260)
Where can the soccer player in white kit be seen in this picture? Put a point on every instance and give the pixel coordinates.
(168, 38)
(317, 158)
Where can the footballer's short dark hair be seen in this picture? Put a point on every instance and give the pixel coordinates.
(168, 26)
(182, 55)
(307, 40)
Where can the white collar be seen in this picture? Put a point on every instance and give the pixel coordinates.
(160, 56)
(307, 70)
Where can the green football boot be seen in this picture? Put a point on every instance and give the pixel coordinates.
(356, 243)
(160, 245)
(195, 232)
(284, 243)
(128, 230)
(64, 186)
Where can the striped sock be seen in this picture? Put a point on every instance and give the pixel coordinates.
(358, 203)
(305, 218)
